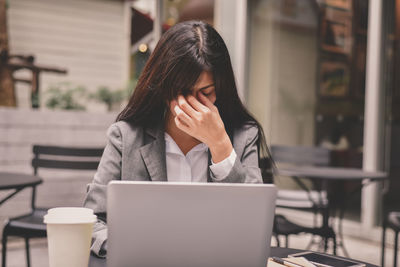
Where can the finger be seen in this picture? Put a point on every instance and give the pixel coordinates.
(186, 107)
(196, 104)
(181, 125)
(205, 101)
(182, 116)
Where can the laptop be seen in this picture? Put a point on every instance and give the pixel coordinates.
(189, 224)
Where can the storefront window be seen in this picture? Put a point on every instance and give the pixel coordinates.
(307, 65)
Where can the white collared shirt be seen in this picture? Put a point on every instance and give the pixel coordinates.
(193, 167)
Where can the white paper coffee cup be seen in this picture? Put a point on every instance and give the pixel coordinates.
(69, 232)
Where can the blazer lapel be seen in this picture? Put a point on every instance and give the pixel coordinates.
(153, 154)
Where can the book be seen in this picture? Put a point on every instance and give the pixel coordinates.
(297, 260)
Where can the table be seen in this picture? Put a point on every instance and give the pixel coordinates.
(275, 251)
(16, 182)
(326, 175)
(330, 173)
(284, 252)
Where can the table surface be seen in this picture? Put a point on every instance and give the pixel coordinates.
(11, 180)
(334, 173)
(275, 251)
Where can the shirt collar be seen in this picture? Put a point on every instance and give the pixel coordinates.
(172, 147)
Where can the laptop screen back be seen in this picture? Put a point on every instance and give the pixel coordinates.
(189, 224)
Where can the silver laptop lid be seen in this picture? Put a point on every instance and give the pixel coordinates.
(189, 224)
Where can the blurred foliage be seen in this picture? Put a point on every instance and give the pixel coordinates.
(107, 96)
(113, 97)
(69, 97)
(65, 96)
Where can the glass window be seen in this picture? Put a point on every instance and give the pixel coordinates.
(307, 62)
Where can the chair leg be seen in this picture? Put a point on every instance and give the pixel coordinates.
(383, 244)
(334, 245)
(286, 241)
(326, 240)
(4, 249)
(278, 243)
(396, 235)
(28, 260)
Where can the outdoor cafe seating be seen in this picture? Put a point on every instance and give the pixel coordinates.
(305, 198)
(31, 225)
(391, 221)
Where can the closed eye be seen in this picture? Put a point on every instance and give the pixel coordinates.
(208, 91)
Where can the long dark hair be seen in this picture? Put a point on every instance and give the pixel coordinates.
(182, 54)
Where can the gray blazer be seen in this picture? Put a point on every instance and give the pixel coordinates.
(137, 154)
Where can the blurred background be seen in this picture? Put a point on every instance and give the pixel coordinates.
(313, 72)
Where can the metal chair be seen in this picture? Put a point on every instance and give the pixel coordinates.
(31, 225)
(304, 199)
(392, 221)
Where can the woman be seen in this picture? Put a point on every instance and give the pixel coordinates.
(184, 122)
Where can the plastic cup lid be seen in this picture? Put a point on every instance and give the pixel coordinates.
(70, 215)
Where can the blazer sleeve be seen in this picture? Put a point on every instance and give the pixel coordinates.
(96, 197)
(245, 168)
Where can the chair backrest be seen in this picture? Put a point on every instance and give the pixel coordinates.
(58, 157)
(301, 155)
(73, 158)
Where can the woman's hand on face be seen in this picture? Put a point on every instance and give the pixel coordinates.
(200, 119)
